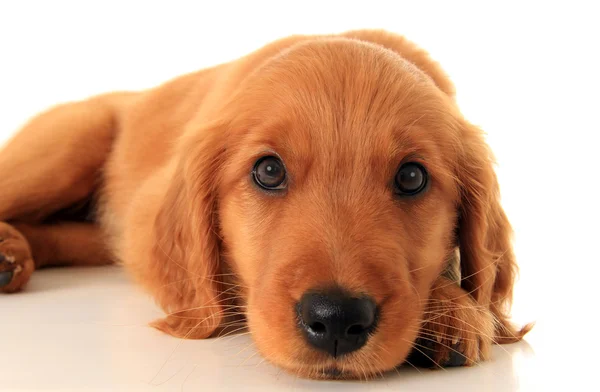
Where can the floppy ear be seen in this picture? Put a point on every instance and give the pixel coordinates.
(186, 250)
(488, 265)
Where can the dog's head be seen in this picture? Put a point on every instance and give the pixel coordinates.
(334, 184)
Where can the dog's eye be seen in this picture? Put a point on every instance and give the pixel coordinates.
(269, 173)
(411, 179)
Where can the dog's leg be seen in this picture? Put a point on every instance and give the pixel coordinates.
(52, 163)
(25, 247)
(68, 243)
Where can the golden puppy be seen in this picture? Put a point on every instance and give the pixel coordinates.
(322, 185)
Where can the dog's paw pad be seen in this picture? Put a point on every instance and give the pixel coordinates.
(16, 263)
(5, 278)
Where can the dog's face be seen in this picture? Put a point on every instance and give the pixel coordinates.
(331, 188)
(339, 208)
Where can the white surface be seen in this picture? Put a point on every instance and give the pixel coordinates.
(87, 327)
(527, 73)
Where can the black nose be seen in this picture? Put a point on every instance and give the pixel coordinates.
(335, 322)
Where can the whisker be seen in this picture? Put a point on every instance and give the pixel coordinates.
(412, 287)
(232, 345)
(446, 346)
(407, 361)
(476, 363)
(205, 307)
(209, 278)
(178, 345)
(434, 334)
(380, 362)
(168, 379)
(206, 278)
(227, 311)
(233, 332)
(224, 314)
(474, 330)
(418, 269)
(492, 264)
(233, 322)
(225, 274)
(231, 337)
(246, 346)
(188, 376)
(427, 356)
(250, 357)
(262, 361)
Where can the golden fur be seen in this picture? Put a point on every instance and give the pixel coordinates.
(168, 172)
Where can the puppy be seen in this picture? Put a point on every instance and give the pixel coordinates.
(321, 186)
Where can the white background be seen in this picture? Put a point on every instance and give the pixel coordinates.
(526, 72)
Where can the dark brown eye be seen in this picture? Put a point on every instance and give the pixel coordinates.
(411, 179)
(269, 173)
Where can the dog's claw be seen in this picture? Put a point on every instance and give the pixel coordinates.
(5, 278)
(16, 263)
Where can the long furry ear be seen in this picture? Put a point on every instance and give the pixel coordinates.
(488, 265)
(185, 249)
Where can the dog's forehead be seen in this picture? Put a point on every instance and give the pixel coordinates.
(332, 78)
(344, 101)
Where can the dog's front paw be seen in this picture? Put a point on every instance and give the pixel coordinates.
(455, 330)
(16, 263)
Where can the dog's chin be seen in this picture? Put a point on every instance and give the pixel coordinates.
(360, 365)
(335, 372)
